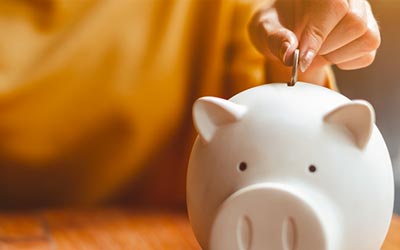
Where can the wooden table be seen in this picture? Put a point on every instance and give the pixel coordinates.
(110, 229)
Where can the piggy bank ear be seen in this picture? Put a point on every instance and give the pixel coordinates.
(358, 117)
(210, 113)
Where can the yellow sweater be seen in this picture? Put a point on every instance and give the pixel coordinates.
(96, 96)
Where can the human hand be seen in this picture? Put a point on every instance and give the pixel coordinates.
(341, 32)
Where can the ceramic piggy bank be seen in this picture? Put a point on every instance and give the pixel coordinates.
(288, 168)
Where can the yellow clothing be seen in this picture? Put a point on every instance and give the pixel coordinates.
(98, 94)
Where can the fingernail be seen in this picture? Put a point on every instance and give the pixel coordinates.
(306, 60)
(284, 50)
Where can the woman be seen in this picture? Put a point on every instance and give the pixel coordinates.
(96, 95)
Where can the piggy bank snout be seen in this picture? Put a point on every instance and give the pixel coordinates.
(270, 217)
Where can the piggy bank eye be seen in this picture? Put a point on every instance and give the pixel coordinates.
(242, 166)
(312, 168)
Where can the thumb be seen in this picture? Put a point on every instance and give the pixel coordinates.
(270, 37)
(323, 17)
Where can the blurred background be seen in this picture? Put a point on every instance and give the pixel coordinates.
(82, 83)
(380, 82)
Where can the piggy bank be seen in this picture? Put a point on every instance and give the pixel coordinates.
(288, 168)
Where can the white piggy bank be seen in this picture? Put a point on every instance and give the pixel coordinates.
(291, 168)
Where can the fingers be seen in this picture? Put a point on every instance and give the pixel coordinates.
(361, 51)
(358, 63)
(270, 37)
(352, 26)
(323, 17)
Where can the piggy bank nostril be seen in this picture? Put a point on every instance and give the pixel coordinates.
(242, 166)
(289, 234)
(244, 233)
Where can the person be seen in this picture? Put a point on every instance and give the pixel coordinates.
(96, 96)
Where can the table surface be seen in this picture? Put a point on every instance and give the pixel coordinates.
(110, 229)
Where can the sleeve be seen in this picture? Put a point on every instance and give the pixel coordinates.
(330, 81)
(82, 83)
(244, 65)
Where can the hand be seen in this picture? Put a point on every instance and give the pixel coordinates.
(341, 32)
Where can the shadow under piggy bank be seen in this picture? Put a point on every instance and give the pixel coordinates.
(279, 167)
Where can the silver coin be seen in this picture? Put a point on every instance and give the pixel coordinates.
(293, 80)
